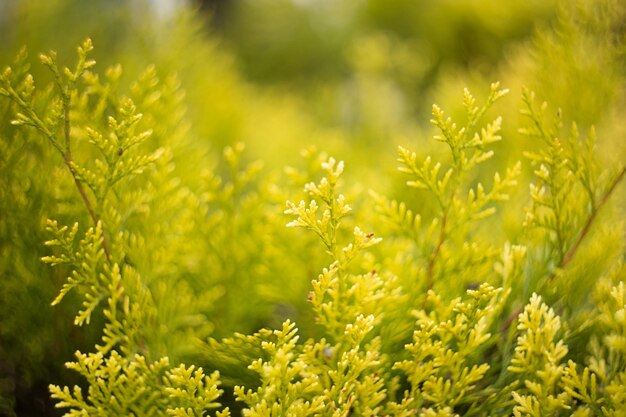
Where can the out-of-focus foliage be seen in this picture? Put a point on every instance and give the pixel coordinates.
(479, 274)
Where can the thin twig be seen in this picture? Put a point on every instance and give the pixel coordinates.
(581, 236)
(435, 253)
(67, 158)
(510, 319)
(585, 230)
(66, 153)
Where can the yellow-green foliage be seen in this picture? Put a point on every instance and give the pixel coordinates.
(131, 386)
(477, 280)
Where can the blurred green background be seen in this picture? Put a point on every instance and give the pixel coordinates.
(355, 78)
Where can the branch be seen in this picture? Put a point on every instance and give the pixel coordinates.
(585, 230)
(67, 158)
(36, 122)
(581, 236)
(435, 252)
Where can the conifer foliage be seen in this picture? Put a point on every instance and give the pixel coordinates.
(411, 313)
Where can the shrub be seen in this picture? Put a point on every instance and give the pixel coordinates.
(233, 288)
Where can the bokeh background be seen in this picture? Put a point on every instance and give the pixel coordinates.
(354, 78)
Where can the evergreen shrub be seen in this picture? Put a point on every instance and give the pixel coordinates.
(233, 289)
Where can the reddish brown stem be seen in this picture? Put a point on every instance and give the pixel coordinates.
(67, 157)
(435, 253)
(581, 236)
(585, 230)
(510, 319)
(92, 213)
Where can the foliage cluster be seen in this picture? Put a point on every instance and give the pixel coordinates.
(190, 282)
